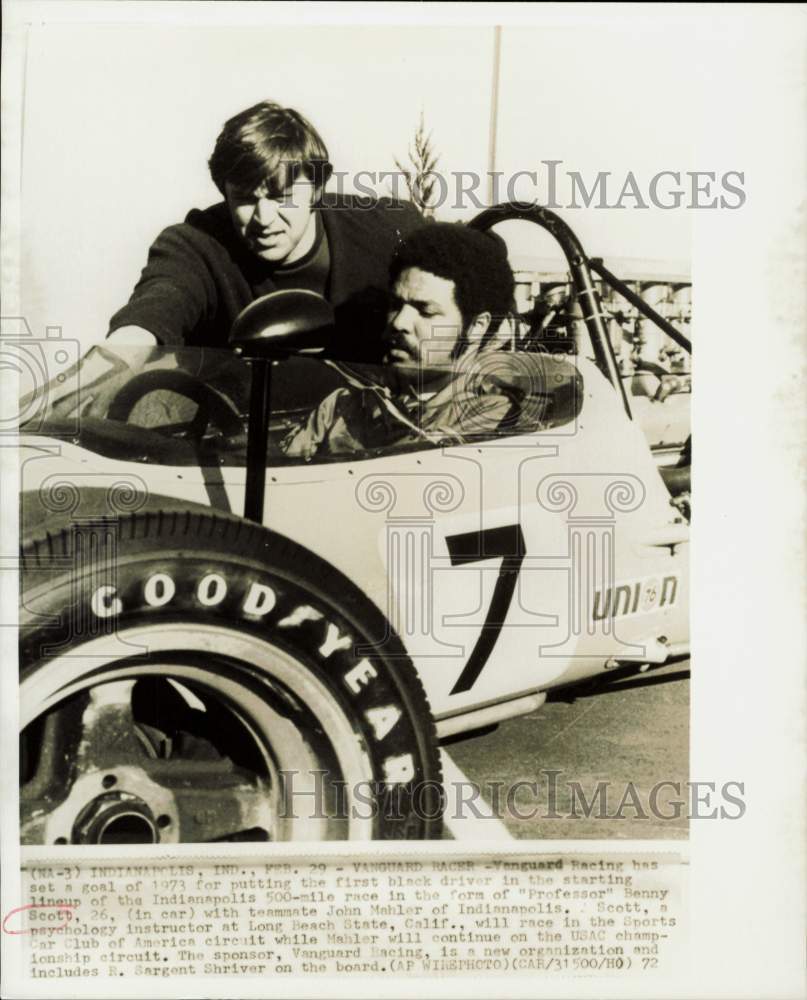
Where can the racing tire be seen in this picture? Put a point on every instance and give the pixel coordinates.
(187, 677)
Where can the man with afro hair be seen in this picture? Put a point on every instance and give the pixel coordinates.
(451, 293)
(451, 288)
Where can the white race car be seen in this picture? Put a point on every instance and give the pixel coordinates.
(219, 642)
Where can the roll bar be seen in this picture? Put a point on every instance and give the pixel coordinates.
(585, 292)
(596, 265)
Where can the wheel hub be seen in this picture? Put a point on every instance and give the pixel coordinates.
(123, 806)
(116, 818)
(184, 747)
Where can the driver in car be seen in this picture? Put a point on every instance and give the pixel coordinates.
(275, 229)
(451, 288)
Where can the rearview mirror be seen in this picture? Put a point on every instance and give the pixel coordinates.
(283, 323)
(274, 326)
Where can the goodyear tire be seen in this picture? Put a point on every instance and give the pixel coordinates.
(189, 678)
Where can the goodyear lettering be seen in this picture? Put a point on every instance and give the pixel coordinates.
(260, 600)
(212, 590)
(257, 601)
(382, 719)
(639, 597)
(333, 641)
(220, 596)
(159, 590)
(104, 604)
(399, 770)
(304, 613)
(358, 677)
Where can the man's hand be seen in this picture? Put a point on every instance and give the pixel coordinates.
(303, 442)
(132, 335)
(87, 389)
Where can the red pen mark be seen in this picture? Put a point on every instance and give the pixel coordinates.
(67, 908)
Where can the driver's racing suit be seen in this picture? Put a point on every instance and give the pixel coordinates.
(450, 408)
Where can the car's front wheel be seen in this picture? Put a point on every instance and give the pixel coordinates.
(188, 678)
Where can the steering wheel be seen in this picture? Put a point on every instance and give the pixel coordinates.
(212, 405)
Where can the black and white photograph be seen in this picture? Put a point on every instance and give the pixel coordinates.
(355, 355)
(464, 440)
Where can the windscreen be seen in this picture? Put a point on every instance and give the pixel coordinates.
(180, 406)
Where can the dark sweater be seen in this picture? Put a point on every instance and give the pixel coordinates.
(199, 275)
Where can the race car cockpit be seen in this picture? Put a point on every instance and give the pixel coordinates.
(190, 406)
